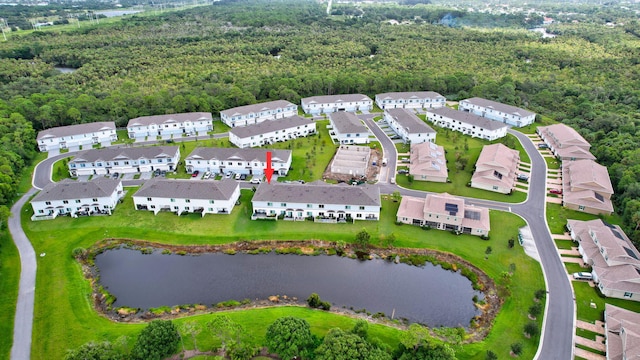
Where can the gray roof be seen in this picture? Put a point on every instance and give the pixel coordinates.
(170, 118)
(409, 95)
(269, 126)
(111, 154)
(79, 129)
(346, 122)
(319, 192)
(468, 118)
(68, 189)
(246, 154)
(330, 99)
(187, 189)
(256, 108)
(513, 110)
(408, 120)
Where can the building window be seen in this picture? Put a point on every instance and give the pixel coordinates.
(628, 295)
(347, 207)
(581, 207)
(187, 200)
(361, 208)
(95, 199)
(211, 201)
(283, 204)
(65, 201)
(47, 202)
(358, 215)
(149, 199)
(77, 201)
(210, 209)
(269, 204)
(152, 206)
(173, 200)
(309, 206)
(321, 206)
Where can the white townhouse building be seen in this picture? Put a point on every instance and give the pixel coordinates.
(494, 110)
(72, 136)
(346, 128)
(467, 123)
(496, 169)
(408, 126)
(187, 196)
(271, 131)
(410, 100)
(318, 200)
(257, 113)
(238, 161)
(124, 160)
(331, 103)
(170, 125)
(68, 197)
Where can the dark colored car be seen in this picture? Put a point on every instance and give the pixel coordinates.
(195, 173)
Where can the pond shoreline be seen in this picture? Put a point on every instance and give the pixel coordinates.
(478, 329)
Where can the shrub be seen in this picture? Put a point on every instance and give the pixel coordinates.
(314, 300)
(78, 252)
(535, 309)
(157, 340)
(531, 329)
(540, 294)
(516, 348)
(491, 355)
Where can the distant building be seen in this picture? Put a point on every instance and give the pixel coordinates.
(74, 136)
(271, 131)
(332, 103)
(408, 126)
(238, 161)
(614, 260)
(74, 198)
(444, 212)
(496, 111)
(351, 160)
(257, 113)
(170, 125)
(320, 201)
(587, 187)
(124, 160)
(410, 100)
(496, 169)
(187, 196)
(467, 123)
(622, 333)
(346, 128)
(565, 142)
(428, 162)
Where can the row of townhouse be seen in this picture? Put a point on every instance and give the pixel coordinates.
(467, 123)
(271, 131)
(238, 161)
(183, 196)
(347, 128)
(622, 333)
(614, 260)
(68, 197)
(408, 126)
(257, 113)
(507, 114)
(565, 142)
(75, 136)
(333, 103)
(410, 100)
(124, 160)
(586, 187)
(170, 125)
(496, 169)
(318, 200)
(428, 162)
(444, 212)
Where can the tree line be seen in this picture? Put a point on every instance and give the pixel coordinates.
(235, 53)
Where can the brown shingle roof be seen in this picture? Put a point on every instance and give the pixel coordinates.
(628, 343)
(347, 123)
(428, 159)
(188, 189)
(319, 192)
(69, 189)
(409, 121)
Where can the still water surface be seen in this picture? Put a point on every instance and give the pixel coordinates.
(428, 295)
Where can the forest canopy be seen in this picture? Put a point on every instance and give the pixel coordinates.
(233, 53)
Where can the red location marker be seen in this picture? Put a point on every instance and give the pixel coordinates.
(268, 171)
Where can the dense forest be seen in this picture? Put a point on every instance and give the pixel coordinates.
(239, 52)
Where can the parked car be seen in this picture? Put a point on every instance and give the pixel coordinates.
(556, 191)
(243, 177)
(543, 146)
(163, 173)
(116, 175)
(228, 175)
(256, 180)
(206, 175)
(195, 173)
(583, 276)
(403, 171)
(237, 177)
(523, 177)
(156, 172)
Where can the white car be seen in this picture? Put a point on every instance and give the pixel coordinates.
(256, 180)
(206, 175)
(237, 177)
(583, 276)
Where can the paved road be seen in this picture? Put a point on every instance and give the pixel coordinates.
(23, 322)
(558, 325)
(389, 149)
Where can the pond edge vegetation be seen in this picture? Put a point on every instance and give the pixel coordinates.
(479, 326)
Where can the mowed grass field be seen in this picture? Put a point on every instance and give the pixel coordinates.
(64, 317)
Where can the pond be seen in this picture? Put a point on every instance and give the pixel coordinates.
(428, 295)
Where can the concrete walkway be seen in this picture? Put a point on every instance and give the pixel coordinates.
(591, 344)
(23, 324)
(588, 355)
(597, 328)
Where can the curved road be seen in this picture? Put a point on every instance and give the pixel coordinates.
(558, 324)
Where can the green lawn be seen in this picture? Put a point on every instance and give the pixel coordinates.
(9, 278)
(531, 129)
(219, 127)
(585, 294)
(552, 163)
(459, 145)
(64, 317)
(557, 217)
(60, 170)
(564, 244)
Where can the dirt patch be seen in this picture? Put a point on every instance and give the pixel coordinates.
(478, 330)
